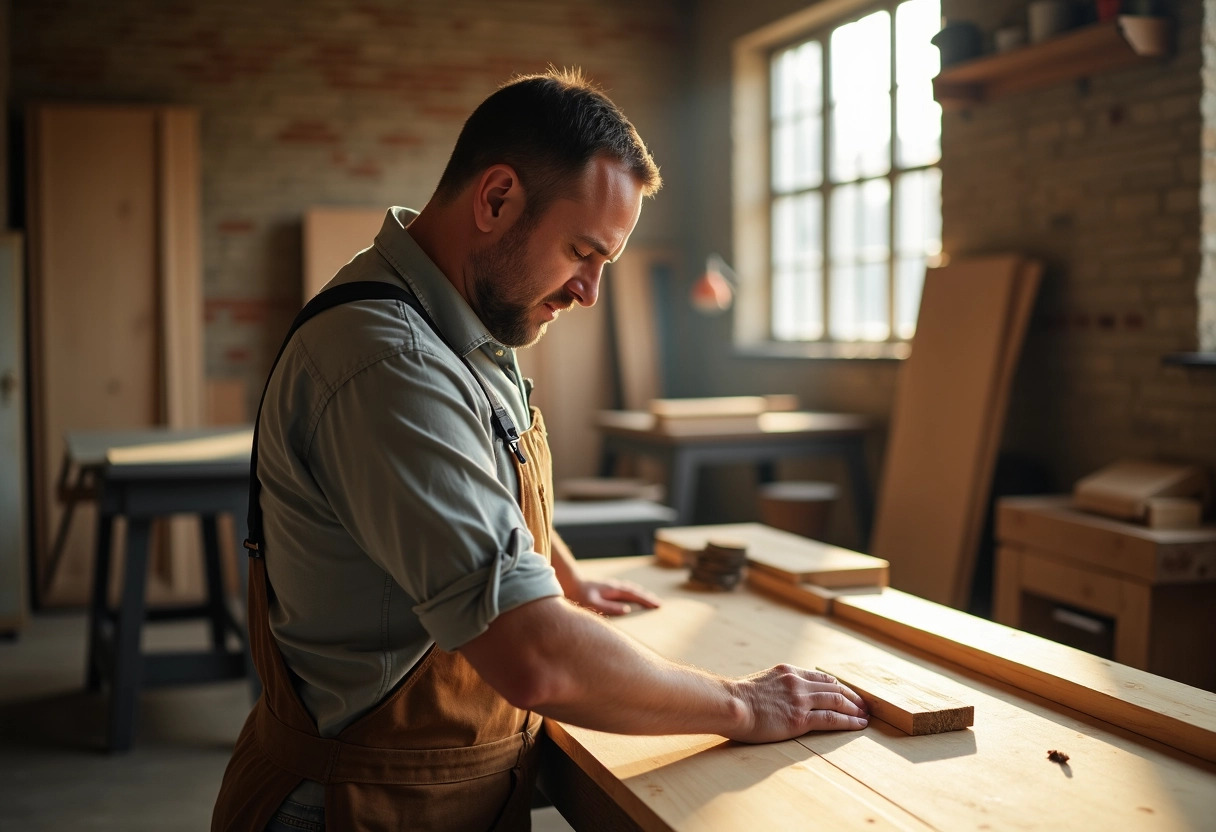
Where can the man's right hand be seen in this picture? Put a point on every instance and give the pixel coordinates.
(787, 701)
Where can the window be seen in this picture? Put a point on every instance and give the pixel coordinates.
(854, 191)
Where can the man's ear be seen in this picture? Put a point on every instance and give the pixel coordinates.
(499, 199)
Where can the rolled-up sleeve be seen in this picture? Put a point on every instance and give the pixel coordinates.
(403, 451)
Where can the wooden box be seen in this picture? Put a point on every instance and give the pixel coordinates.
(1155, 587)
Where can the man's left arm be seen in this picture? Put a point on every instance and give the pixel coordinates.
(606, 597)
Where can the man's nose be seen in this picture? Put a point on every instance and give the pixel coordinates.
(585, 286)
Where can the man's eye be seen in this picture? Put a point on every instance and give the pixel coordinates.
(579, 254)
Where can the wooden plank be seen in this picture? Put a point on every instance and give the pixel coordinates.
(1170, 712)
(1158, 556)
(332, 235)
(995, 774)
(1026, 288)
(912, 707)
(813, 599)
(181, 279)
(635, 323)
(93, 243)
(789, 556)
(179, 217)
(943, 424)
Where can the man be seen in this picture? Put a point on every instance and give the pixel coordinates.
(405, 618)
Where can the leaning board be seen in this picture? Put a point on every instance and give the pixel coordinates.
(788, 556)
(946, 423)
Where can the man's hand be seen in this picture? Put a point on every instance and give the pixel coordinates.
(611, 597)
(786, 701)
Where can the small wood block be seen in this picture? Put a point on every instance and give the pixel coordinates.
(1174, 513)
(909, 706)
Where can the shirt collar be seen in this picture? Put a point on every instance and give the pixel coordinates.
(457, 321)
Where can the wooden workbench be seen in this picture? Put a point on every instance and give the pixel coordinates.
(995, 775)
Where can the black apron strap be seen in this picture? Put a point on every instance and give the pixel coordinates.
(343, 293)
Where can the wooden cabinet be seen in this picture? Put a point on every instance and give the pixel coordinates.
(1143, 597)
(115, 300)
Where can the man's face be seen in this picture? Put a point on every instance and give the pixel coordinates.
(542, 265)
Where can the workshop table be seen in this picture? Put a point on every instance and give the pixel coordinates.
(776, 436)
(142, 476)
(1141, 747)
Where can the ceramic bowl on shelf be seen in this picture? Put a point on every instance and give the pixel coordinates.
(1147, 35)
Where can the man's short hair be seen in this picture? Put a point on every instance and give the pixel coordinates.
(547, 127)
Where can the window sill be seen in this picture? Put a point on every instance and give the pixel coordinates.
(823, 350)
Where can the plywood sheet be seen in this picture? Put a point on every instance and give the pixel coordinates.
(945, 426)
(791, 557)
(95, 337)
(332, 236)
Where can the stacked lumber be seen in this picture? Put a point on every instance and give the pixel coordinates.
(807, 573)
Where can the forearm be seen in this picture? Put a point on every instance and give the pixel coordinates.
(586, 673)
(607, 681)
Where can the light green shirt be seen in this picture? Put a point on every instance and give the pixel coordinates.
(390, 513)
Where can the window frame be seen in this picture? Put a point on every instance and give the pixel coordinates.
(754, 194)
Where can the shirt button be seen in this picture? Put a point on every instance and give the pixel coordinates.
(499, 353)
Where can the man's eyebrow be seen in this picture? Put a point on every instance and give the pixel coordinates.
(599, 247)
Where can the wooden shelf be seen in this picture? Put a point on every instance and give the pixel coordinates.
(1076, 54)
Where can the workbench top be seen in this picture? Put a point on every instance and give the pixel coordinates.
(994, 775)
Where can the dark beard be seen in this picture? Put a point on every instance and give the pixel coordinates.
(498, 277)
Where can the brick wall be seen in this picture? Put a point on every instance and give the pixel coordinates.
(1102, 181)
(307, 102)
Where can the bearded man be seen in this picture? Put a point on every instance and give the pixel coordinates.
(412, 614)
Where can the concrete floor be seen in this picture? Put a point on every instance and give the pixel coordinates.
(54, 777)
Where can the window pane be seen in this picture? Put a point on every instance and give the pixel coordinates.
(916, 59)
(797, 80)
(861, 137)
(797, 303)
(918, 125)
(918, 220)
(909, 280)
(797, 90)
(861, 103)
(861, 57)
(859, 302)
(918, 212)
(797, 154)
(860, 255)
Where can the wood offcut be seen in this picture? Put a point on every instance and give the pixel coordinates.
(908, 705)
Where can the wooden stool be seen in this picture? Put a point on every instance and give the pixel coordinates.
(141, 493)
(799, 507)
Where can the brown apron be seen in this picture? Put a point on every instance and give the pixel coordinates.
(443, 751)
